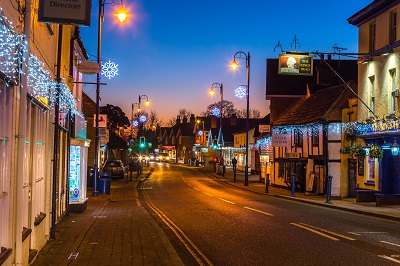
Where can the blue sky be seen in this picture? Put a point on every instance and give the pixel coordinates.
(172, 51)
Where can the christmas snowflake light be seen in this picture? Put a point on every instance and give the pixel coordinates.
(142, 118)
(109, 69)
(216, 111)
(200, 133)
(135, 123)
(241, 92)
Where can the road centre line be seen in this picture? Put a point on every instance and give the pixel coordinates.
(267, 213)
(208, 194)
(226, 201)
(360, 233)
(315, 231)
(330, 232)
(389, 258)
(397, 245)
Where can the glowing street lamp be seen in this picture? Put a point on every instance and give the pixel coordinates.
(234, 65)
(97, 137)
(221, 92)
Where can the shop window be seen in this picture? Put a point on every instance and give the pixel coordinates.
(371, 169)
(372, 37)
(5, 162)
(298, 137)
(315, 136)
(372, 95)
(393, 92)
(281, 169)
(393, 27)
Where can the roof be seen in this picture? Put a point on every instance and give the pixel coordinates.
(372, 10)
(322, 105)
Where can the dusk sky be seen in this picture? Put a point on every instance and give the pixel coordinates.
(172, 51)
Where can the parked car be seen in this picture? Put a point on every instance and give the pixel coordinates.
(115, 167)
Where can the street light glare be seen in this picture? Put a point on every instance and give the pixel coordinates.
(121, 15)
(211, 92)
(234, 65)
(147, 103)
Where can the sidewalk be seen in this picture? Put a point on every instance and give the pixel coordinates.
(114, 230)
(349, 204)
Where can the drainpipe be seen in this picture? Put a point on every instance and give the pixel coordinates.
(21, 141)
(56, 137)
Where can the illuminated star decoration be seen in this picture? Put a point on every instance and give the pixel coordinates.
(135, 123)
(241, 92)
(109, 69)
(200, 133)
(216, 111)
(142, 118)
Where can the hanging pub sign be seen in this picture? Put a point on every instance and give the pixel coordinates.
(295, 64)
(264, 128)
(65, 11)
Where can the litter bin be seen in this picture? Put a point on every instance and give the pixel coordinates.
(104, 183)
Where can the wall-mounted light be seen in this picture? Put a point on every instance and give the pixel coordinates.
(387, 53)
(395, 148)
(366, 149)
(364, 59)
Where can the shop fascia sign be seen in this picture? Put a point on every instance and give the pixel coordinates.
(281, 140)
(65, 11)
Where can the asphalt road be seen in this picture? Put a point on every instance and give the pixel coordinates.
(211, 223)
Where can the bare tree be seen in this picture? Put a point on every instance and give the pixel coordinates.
(182, 113)
(228, 108)
(253, 113)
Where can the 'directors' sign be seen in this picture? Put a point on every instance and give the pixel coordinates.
(65, 11)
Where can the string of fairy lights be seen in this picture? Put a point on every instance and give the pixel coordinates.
(40, 85)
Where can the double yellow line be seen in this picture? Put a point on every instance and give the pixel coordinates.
(190, 246)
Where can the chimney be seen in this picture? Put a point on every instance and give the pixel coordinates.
(233, 120)
(184, 120)
(178, 120)
(192, 119)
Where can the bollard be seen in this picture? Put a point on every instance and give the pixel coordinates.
(329, 189)
(293, 184)
(234, 173)
(266, 183)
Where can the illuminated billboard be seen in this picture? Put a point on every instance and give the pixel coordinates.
(295, 64)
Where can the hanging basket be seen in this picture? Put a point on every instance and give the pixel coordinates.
(376, 152)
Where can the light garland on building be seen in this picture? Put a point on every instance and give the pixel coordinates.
(40, 85)
(12, 48)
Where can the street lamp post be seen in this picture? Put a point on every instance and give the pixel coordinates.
(147, 103)
(202, 138)
(121, 17)
(221, 92)
(234, 65)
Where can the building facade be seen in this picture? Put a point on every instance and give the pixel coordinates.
(379, 82)
(37, 104)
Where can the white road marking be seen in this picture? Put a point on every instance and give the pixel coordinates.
(397, 245)
(226, 201)
(329, 232)
(315, 231)
(208, 194)
(389, 258)
(267, 213)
